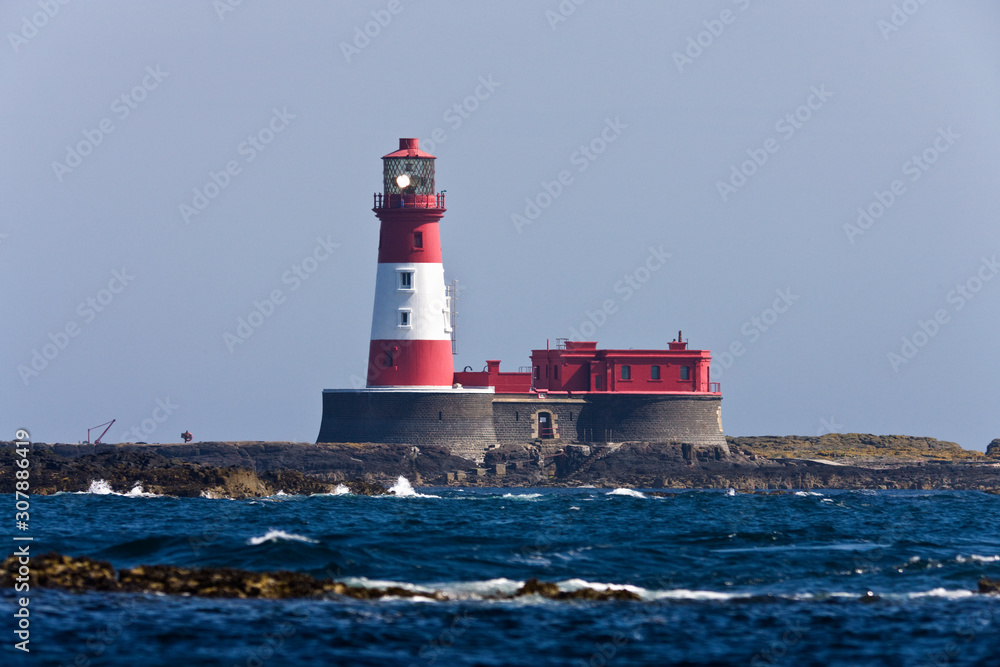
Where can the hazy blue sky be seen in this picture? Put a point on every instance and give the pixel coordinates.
(168, 164)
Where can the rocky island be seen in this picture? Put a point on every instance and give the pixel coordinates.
(256, 469)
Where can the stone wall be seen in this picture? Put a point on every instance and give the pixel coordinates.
(471, 423)
(463, 422)
(694, 420)
(515, 418)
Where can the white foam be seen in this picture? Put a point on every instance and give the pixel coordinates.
(942, 593)
(522, 496)
(631, 493)
(365, 582)
(688, 594)
(807, 493)
(137, 492)
(579, 584)
(985, 559)
(403, 489)
(99, 487)
(731, 492)
(341, 490)
(276, 535)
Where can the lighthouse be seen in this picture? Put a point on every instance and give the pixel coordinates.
(411, 339)
(574, 393)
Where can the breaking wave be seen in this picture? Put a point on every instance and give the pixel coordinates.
(280, 535)
(403, 489)
(631, 493)
(99, 487)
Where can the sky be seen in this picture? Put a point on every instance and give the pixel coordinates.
(808, 190)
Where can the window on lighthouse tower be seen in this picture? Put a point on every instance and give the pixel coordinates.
(404, 317)
(406, 281)
(418, 239)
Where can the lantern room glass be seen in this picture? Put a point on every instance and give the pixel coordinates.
(419, 170)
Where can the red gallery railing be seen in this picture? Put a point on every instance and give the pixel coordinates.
(408, 201)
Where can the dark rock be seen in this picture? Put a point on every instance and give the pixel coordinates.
(989, 586)
(536, 587)
(363, 488)
(993, 449)
(54, 570)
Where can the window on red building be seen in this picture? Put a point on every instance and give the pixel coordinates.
(685, 372)
(654, 372)
(626, 372)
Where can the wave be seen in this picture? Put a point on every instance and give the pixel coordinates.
(978, 559)
(522, 496)
(807, 493)
(99, 487)
(631, 493)
(942, 593)
(403, 489)
(341, 490)
(280, 535)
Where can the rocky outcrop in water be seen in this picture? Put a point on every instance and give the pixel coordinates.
(244, 470)
(78, 574)
(123, 468)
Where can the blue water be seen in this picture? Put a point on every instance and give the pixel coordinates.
(726, 580)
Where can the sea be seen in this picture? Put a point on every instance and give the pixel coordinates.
(725, 578)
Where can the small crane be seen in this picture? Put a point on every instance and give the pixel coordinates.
(98, 439)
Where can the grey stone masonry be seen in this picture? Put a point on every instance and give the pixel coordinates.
(469, 423)
(458, 420)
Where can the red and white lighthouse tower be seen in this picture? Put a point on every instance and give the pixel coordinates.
(411, 323)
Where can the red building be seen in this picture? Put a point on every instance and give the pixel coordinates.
(580, 368)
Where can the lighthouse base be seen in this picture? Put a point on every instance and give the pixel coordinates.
(471, 421)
